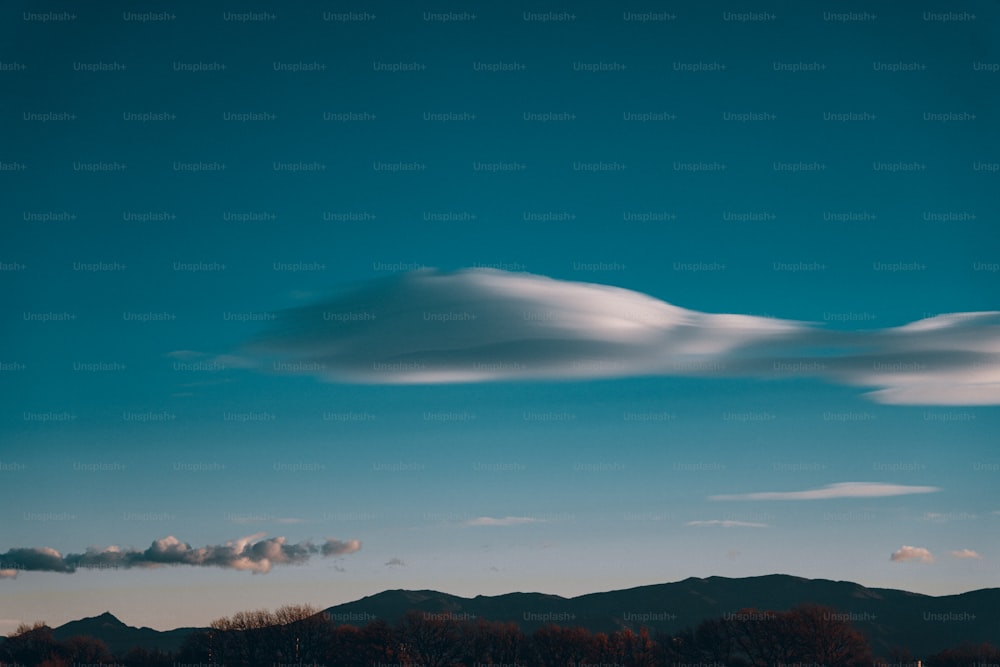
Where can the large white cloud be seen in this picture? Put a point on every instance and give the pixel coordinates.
(253, 553)
(480, 325)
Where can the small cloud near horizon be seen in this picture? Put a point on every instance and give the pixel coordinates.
(908, 553)
(966, 553)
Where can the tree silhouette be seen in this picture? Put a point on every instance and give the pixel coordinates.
(823, 637)
(290, 634)
(34, 644)
(300, 635)
(965, 655)
(376, 642)
(306, 633)
(432, 640)
(713, 642)
(808, 634)
(31, 644)
(142, 657)
(897, 655)
(556, 646)
(199, 647)
(493, 642)
(630, 649)
(86, 650)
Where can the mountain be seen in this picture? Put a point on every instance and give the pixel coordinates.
(889, 618)
(120, 637)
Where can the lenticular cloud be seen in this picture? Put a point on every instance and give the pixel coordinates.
(251, 553)
(481, 325)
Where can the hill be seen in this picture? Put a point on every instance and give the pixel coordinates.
(889, 618)
(121, 637)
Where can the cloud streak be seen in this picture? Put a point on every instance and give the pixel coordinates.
(726, 523)
(481, 325)
(503, 521)
(252, 553)
(831, 491)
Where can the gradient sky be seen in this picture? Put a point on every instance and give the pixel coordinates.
(859, 191)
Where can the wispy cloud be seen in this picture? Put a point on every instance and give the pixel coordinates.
(250, 518)
(481, 325)
(907, 553)
(725, 523)
(395, 562)
(940, 517)
(504, 521)
(253, 553)
(830, 491)
(183, 355)
(966, 553)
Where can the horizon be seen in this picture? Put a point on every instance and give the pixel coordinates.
(304, 305)
(322, 609)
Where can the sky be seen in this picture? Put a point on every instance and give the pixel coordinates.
(302, 303)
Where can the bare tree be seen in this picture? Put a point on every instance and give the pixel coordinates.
(966, 654)
(555, 646)
(494, 642)
(432, 640)
(806, 634)
(30, 644)
(291, 633)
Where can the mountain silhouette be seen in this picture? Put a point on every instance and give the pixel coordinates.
(889, 618)
(120, 637)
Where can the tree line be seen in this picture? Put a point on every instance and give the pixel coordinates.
(302, 635)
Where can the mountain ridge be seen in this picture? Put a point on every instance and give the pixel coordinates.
(888, 617)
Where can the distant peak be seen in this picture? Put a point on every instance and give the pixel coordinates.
(108, 617)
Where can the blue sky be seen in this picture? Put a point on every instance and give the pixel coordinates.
(144, 307)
